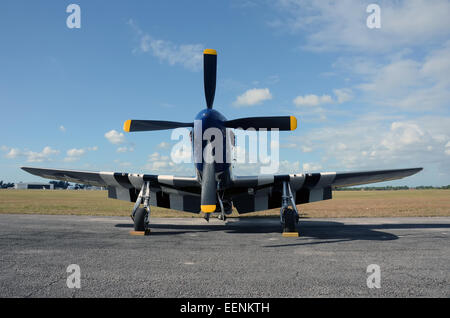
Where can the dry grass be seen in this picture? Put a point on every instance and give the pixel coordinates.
(344, 204)
(400, 203)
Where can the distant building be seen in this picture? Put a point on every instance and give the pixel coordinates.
(33, 185)
(96, 188)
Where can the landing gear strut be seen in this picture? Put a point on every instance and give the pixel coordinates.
(289, 216)
(140, 216)
(222, 215)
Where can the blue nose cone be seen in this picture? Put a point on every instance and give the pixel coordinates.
(210, 118)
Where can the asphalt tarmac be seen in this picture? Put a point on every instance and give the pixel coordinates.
(240, 258)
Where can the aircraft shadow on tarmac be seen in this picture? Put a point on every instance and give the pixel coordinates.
(325, 231)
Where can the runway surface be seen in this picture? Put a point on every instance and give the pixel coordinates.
(246, 258)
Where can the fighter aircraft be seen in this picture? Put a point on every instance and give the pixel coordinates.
(215, 189)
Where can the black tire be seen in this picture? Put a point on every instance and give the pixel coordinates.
(139, 219)
(290, 221)
(228, 208)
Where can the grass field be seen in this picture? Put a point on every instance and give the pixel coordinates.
(344, 204)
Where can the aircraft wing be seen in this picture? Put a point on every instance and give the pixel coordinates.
(249, 193)
(178, 193)
(256, 193)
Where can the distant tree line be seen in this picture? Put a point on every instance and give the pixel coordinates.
(60, 184)
(56, 185)
(77, 186)
(6, 185)
(65, 185)
(391, 188)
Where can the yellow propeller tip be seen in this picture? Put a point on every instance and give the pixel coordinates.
(126, 125)
(210, 52)
(293, 123)
(208, 208)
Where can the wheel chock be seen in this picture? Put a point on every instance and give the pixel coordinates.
(290, 234)
(140, 233)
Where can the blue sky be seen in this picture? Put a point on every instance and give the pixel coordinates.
(365, 98)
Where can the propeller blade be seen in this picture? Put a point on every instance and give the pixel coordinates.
(147, 125)
(209, 75)
(208, 195)
(280, 122)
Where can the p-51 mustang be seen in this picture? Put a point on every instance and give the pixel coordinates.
(215, 188)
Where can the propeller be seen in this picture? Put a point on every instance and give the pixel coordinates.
(280, 122)
(209, 75)
(208, 195)
(149, 125)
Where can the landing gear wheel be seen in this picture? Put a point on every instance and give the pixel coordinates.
(140, 220)
(290, 220)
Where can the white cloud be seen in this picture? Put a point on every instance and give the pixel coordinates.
(285, 166)
(341, 146)
(332, 25)
(447, 149)
(157, 165)
(394, 77)
(306, 149)
(162, 164)
(402, 134)
(436, 65)
(71, 159)
(410, 84)
(123, 163)
(343, 95)
(62, 128)
(253, 96)
(44, 155)
(272, 79)
(125, 149)
(164, 145)
(288, 145)
(115, 137)
(312, 100)
(309, 166)
(13, 153)
(182, 154)
(75, 154)
(190, 56)
(377, 143)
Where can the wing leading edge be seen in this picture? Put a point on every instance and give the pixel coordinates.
(347, 179)
(115, 179)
